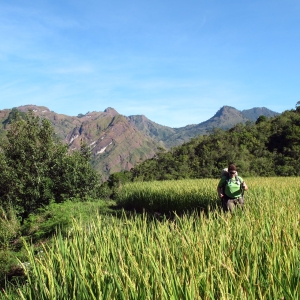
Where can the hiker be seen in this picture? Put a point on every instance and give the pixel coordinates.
(231, 189)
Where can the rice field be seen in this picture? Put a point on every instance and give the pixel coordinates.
(168, 196)
(251, 254)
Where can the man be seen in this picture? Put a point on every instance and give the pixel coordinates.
(230, 189)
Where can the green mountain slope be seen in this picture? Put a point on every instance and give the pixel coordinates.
(269, 147)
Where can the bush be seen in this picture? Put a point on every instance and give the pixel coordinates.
(36, 168)
(39, 227)
(59, 216)
(9, 228)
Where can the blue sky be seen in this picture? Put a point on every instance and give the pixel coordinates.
(176, 62)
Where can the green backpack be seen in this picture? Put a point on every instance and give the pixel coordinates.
(237, 179)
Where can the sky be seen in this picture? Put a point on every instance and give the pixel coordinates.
(176, 62)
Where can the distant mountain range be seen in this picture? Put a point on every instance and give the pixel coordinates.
(119, 142)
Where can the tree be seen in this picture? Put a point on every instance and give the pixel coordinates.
(298, 106)
(36, 168)
(261, 119)
(14, 115)
(78, 180)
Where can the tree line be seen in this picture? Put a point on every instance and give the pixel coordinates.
(267, 147)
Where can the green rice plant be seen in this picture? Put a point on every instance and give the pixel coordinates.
(59, 215)
(167, 196)
(250, 254)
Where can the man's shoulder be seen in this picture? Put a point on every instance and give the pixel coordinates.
(222, 180)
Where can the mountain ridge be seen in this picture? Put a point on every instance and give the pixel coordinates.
(225, 118)
(119, 142)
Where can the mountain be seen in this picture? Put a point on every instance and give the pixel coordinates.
(159, 133)
(119, 142)
(268, 148)
(116, 145)
(225, 118)
(253, 113)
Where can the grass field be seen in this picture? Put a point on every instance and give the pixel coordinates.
(251, 254)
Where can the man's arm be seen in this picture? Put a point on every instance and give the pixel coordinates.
(220, 192)
(220, 187)
(244, 186)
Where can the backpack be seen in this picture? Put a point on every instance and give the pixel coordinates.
(224, 172)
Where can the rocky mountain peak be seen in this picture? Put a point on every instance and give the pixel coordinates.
(35, 108)
(111, 111)
(253, 113)
(225, 111)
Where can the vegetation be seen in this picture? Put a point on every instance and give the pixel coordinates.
(164, 197)
(268, 147)
(37, 230)
(13, 115)
(252, 254)
(186, 248)
(37, 173)
(37, 169)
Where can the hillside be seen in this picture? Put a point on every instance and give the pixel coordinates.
(116, 144)
(269, 147)
(225, 118)
(253, 113)
(119, 142)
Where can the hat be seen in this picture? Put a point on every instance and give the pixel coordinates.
(231, 167)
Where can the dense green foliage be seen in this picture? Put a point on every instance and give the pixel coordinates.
(36, 168)
(14, 114)
(39, 177)
(268, 147)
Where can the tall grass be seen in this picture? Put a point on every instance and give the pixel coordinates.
(252, 254)
(167, 196)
